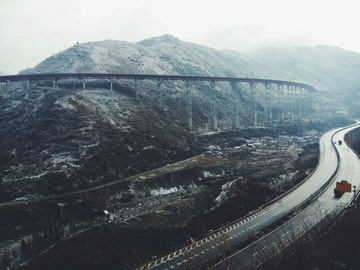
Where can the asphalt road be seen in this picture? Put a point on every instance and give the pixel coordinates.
(237, 232)
(325, 204)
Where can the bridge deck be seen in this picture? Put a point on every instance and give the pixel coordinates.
(57, 76)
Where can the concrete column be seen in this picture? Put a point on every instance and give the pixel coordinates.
(136, 91)
(281, 115)
(84, 84)
(189, 105)
(55, 83)
(160, 94)
(3, 86)
(111, 84)
(291, 97)
(310, 101)
(298, 102)
(268, 101)
(213, 118)
(28, 83)
(252, 87)
(305, 103)
(236, 107)
(301, 103)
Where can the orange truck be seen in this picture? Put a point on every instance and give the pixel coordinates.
(342, 187)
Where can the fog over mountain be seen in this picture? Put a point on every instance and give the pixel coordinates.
(325, 67)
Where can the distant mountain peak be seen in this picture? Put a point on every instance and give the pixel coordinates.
(153, 41)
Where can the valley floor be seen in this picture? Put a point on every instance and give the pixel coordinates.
(132, 222)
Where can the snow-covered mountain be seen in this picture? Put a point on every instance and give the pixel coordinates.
(59, 140)
(325, 67)
(81, 138)
(157, 55)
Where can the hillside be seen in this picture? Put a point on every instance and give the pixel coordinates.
(158, 55)
(72, 131)
(99, 136)
(329, 69)
(181, 182)
(325, 67)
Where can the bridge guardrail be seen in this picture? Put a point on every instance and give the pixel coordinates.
(223, 230)
(49, 76)
(318, 193)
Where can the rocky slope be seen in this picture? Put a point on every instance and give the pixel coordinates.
(56, 141)
(84, 138)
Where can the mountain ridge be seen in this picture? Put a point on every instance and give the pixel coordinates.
(325, 67)
(165, 54)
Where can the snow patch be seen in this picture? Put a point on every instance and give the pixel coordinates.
(36, 176)
(207, 174)
(64, 103)
(226, 189)
(282, 179)
(164, 191)
(63, 158)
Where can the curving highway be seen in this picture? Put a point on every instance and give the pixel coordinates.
(326, 204)
(328, 171)
(59, 76)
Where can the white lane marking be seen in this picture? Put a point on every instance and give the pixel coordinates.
(257, 252)
(285, 233)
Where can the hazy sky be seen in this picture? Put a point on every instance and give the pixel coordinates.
(32, 30)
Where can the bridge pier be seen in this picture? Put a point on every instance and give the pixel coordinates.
(3, 87)
(55, 83)
(236, 107)
(298, 103)
(213, 117)
(189, 105)
(281, 114)
(305, 100)
(311, 99)
(268, 103)
(291, 101)
(305, 103)
(136, 91)
(252, 87)
(111, 84)
(84, 84)
(302, 103)
(28, 83)
(160, 94)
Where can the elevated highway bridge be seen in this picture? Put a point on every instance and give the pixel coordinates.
(59, 76)
(288, 92)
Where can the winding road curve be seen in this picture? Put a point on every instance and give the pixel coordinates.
(337, 162)
(325, 205)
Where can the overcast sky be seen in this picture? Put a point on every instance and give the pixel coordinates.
(32, 30)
